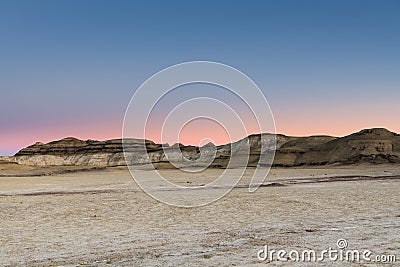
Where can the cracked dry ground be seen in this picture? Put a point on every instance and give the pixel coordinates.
(102, 219)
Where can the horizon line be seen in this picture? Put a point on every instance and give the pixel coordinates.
(5, 154)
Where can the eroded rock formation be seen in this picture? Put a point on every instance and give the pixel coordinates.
(371, 146)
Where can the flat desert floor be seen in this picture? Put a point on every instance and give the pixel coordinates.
(102, 218)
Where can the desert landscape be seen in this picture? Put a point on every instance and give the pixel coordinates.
(74, 203)
(199, 133)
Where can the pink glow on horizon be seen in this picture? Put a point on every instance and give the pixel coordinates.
(12, 141)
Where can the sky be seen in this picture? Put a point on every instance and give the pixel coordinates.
(69, 68)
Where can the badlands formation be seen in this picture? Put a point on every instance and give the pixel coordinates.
(367, 146)
(55, 212)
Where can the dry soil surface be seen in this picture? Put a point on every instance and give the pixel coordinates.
(102, 218)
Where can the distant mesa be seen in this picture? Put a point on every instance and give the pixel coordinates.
(372, 146)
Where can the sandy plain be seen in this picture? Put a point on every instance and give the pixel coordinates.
(102, 218)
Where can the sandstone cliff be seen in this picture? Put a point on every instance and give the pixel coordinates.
(371, 146)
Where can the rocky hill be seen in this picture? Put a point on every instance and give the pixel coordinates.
(369, 146)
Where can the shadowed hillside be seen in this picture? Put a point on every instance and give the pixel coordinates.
(367, 146)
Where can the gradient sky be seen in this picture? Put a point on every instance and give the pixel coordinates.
(69, 68)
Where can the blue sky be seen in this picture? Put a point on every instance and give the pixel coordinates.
(70, 67)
